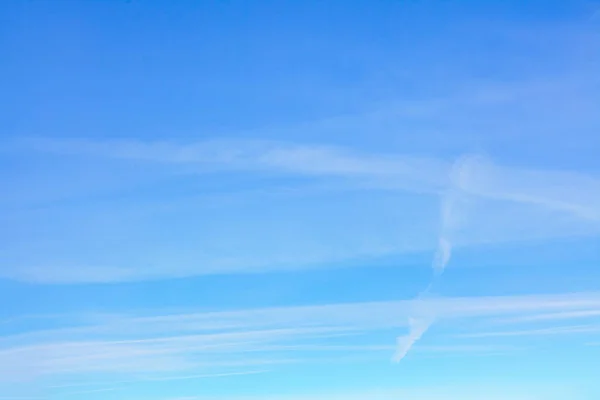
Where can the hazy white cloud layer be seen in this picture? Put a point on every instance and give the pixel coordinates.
(140, 347)
(335, 206)
(227, 201)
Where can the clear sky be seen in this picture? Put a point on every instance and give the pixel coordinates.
(299, 200)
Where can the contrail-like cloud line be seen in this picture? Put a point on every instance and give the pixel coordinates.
(423, 317)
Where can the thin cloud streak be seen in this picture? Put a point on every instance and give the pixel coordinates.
(110, 385)
(254, 156)
(563, 330)
(203, 342)
(547, 204)
(535, 196)
(551, 316)
(477, 175)
(420, 322)
(352, 316)
(559, 190)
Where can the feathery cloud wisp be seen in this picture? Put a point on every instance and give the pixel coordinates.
(517, 204)
(212, 342)
(419, 324)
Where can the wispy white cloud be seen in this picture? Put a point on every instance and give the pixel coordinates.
(171, 353)
(559, 190)
(415, 172)
(500, 204)
(477, 175)
(551, 316)
(351, 316)
(450, 216)
(417, 327)
(141, 378)
(215, 342)
(562, 330)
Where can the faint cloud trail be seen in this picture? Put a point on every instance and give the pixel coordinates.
(423, 316)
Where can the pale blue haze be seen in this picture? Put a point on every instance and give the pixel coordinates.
(243, 200)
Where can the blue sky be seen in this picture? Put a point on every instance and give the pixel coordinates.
(358, 200)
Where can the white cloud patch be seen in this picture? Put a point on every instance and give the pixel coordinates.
(235, 341)
(350, 206)
(559, 190)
